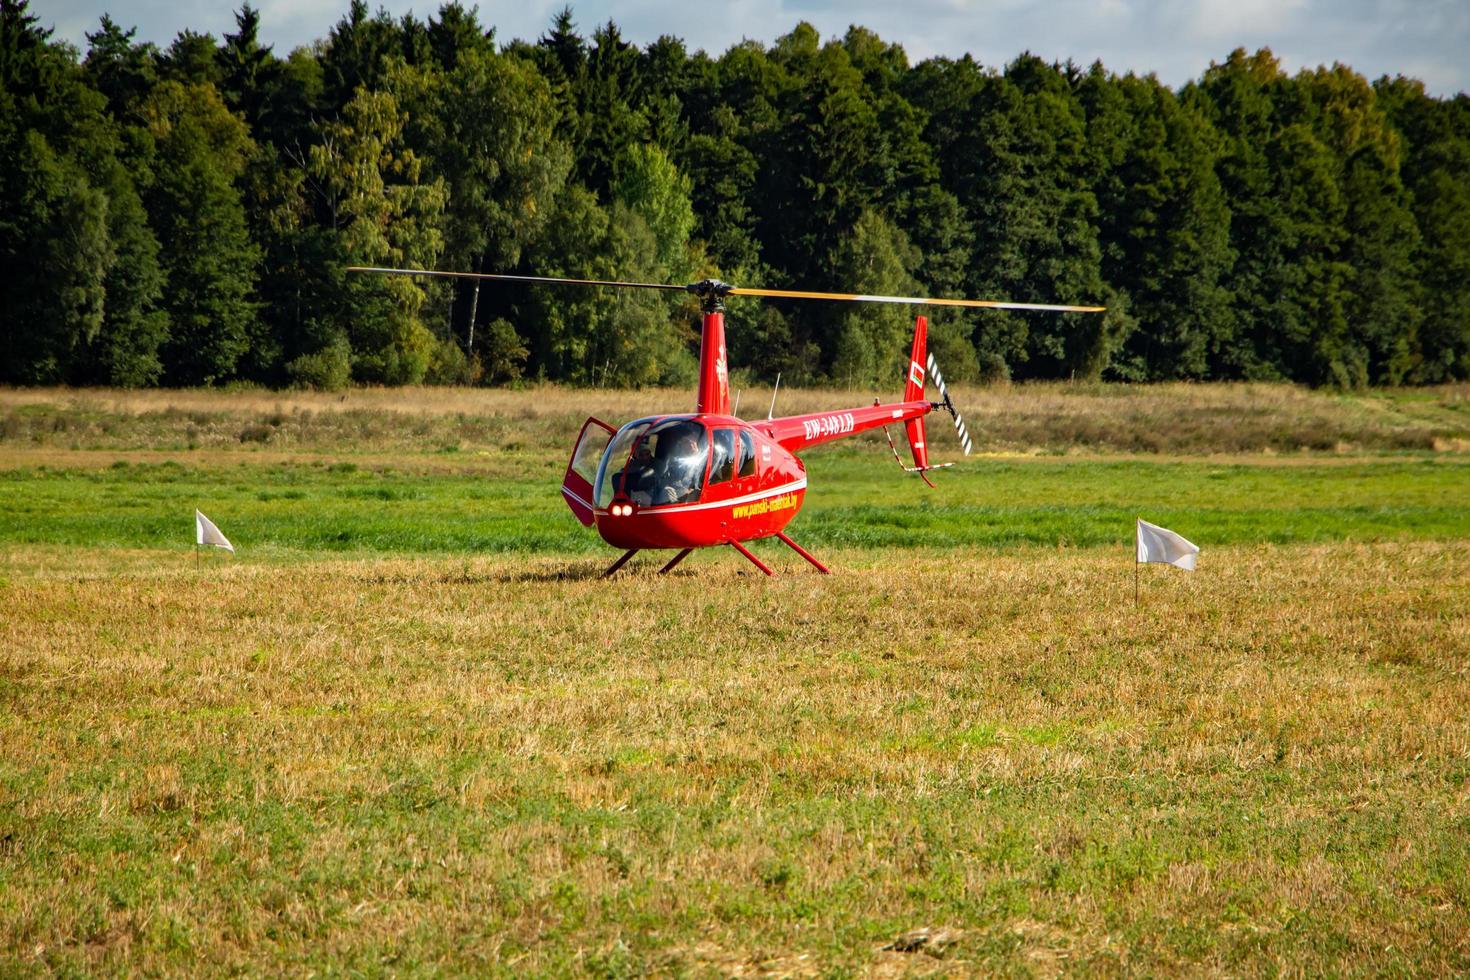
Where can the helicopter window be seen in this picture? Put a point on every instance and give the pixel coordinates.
(747, 453)
(722, 465)
(668, 464)
(610, 474)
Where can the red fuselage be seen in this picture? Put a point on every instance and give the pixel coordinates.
(690, 481)
(709, 478)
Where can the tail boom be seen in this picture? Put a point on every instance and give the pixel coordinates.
(796, 433)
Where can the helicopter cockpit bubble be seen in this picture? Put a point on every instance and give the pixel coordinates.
(654, 462)
(610, 471)
(679, 451)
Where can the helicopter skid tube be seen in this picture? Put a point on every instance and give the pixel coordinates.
(803, 553)
(753, 559)
(620, 562)
(675, 560)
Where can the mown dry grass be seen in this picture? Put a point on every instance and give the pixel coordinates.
(396, 761)
(1041, 418)
(502, 764)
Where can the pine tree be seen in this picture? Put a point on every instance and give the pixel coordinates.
(1436, 171)
(209, 260)
(875, 258)
(455, 33)
(1380, 235)
(192, 59)
(381, 213)
(605, 100)
(1164, 224)
(249, 74)
(55, 143)
(356, 52)
(124, 72)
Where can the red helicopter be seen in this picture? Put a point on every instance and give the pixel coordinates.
(709, 478)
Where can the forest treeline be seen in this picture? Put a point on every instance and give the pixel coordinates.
(183, 216)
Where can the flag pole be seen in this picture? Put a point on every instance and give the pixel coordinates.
(1135, 561)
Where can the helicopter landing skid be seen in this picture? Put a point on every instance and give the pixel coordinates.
(675, 560)
(620, 562)
(734, 544)
(803, 553)
(790, 544)
(753, 559)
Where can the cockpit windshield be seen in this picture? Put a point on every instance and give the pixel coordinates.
(655, 463)
(614, 459)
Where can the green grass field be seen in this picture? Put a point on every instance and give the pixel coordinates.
(409, 730)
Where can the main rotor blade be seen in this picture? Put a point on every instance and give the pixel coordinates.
(989, 304)
(504, 278)
(712, 287)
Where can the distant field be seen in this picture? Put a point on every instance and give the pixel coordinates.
(509, 503)
(1042, 418)
(409, 730)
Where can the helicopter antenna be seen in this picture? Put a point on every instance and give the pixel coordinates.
(772, 413)
(736, 410)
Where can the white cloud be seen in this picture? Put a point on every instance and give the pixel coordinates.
(1224, 21)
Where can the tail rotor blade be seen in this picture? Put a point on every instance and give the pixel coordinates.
(959, 423)
(959, 426)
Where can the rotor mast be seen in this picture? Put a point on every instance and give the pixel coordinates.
(713, 397)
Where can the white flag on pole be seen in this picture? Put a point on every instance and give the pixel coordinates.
(1163, 545)
(206, 533)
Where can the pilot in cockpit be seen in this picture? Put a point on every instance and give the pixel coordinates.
(680, 470)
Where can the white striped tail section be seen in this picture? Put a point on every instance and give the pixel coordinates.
(959, 423)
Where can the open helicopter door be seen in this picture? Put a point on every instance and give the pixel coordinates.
(576, 485)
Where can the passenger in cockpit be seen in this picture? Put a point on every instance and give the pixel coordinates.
(639, 478)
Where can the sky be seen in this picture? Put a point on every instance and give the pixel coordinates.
(1175, 39)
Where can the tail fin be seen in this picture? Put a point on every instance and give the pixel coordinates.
(913, 390)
